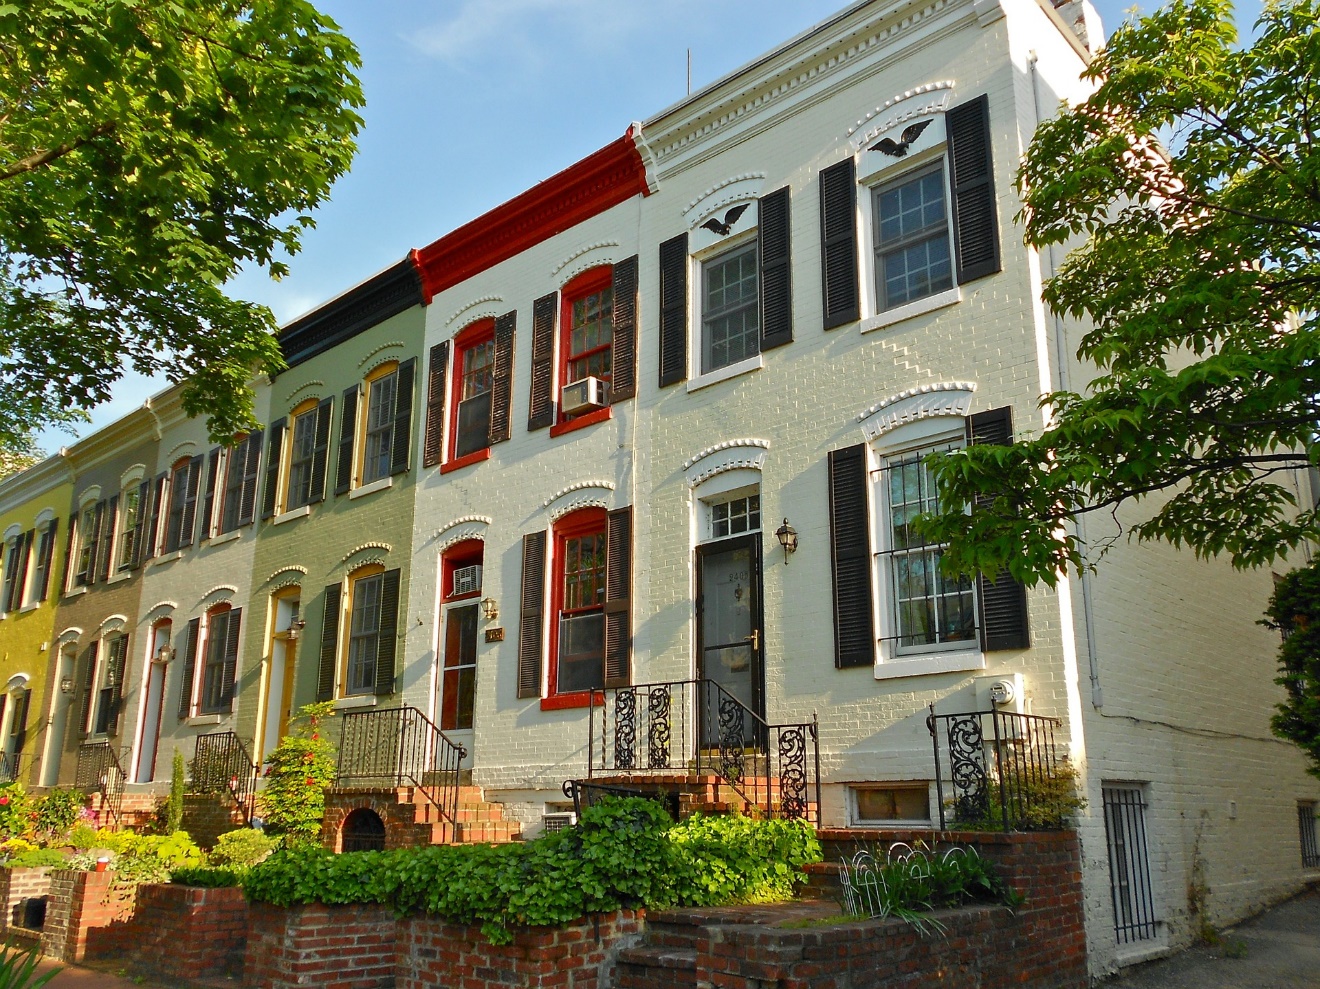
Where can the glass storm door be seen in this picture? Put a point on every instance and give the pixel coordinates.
(729, 636)
(458, 685)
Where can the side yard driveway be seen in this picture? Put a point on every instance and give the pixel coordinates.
(1280, 949)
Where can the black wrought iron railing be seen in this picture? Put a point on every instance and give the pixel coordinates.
(222, 764)
(99, 771)
(11, 766)
(1000, 770)
(696, 727)
(400, 746)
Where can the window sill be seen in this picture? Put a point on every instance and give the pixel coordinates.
(889, 317)
(380, 484)
(204, 719)
(289, 516)
(725, 373)
(951, 662)
(73, 592)
(459, 463)
(167, 558)
(356, 700)
(115, 578)
(33, 606)
(562, 702)
(578, 422)
(224, 537)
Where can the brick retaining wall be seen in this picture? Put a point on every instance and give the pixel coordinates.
(206, 816)
(400, 819)
(350, 947)
(187, 932)
(16, 887)
(86, 916)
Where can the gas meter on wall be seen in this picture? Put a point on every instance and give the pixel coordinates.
(1006, 692)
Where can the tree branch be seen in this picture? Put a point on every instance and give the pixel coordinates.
(41, 159)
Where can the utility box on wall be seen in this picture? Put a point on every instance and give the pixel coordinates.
(1005, 692)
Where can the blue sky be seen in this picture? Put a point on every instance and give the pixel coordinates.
(469, 102)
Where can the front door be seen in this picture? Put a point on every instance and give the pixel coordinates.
(458, 675)
(730, 637)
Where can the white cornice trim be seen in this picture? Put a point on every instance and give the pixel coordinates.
(584, 494)
(314, 383)
(13, 531)
(726, 456)
(112, 624)
(365, 546)
(289, 569)
(161, 606)
(69, 636)
(931, 98)
(88, 494)
(377, 350)
(187, 446)
(940, 398)
(133, 474)
(219, 590)
(467, 527)
(584, 259)
(462, 310)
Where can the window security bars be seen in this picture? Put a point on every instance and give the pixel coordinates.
(1306, 829)
(998, 769)
(696, 727)
(99, 771)
(1129, 864)
(222, 764)
(400, 746)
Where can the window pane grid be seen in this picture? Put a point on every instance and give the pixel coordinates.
(912, 240)
(730, 318)
(233, 493)
(380, 428)
(217, 632)
(364, 635)
(300, 462)
(478, 366)
(729, 518)
(128, 527)
(584, 572)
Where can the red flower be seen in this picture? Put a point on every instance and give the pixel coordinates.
(310, 781)
(315, 736)
(4, 801)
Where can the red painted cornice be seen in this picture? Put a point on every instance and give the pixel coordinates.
(611, 176)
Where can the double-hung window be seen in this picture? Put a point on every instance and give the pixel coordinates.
(913, 258)
(232, 494)
(474, 368)
(929, 609)
(130, 509)
(581, 638)
(730, 309)
(88, 520)
(41, 563)
(589, 332)
(13, 564)
(301, 454)
(214, 697)
(364, 634)
(379, 437)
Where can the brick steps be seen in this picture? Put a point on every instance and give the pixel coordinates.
(477, 819)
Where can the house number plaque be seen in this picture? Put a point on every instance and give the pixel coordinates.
(494, 635)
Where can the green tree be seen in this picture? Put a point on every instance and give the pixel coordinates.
(1192, 176)
(1295, 611)
(149, 150)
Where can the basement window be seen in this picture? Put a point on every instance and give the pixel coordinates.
(890, 804)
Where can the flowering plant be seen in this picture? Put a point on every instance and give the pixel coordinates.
(299, 770)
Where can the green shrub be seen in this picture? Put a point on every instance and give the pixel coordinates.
(210, 877)
(1037, 800)
(16, 811)
(301, 767)
(82, 836)
(624, 853)
(57, 812)
(39, 858)
(174, 802)
(243, 847)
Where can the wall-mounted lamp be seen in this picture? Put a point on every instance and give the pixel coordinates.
(490, 608)
(295, 629)
(66, 685)
(788, 539)
(164, 654)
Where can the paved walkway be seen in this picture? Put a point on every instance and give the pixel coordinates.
(1280, 949)
(72, 977)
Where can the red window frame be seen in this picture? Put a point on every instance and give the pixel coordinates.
(479, 333)
(588, 283)
(583, 522)
(463, 554)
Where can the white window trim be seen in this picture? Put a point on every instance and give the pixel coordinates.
(225, 537)
(724, 373)
(297, 513)
(913, 661)
(696, 264)
(873, 318)
(355, 700)
(380, 484)
(856, 820)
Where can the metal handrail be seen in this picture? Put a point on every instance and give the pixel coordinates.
(697, 727)
(1012, 765)
(401, 746)
(10, 763)
(99, 771)
(223, 764)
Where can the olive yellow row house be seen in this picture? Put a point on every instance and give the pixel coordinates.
(614, 485)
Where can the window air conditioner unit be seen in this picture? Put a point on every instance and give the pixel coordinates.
(584, 396)
(467, 580)
(558, 822)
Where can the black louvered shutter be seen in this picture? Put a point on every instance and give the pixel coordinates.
(623, 377)
(157, 506)
(69, 547)
(229, 671)
(140, 529)
(674, 310)
(618, 597)
(774, 254)
(850, 554)
(118, 669)
(541, 402)
(501, 379)
(106, 546)
(189, 667)
(325, 673)
(531, 615)
(838, 244)
(44, 590)
(1002, 603)
(189, 523)
(436, 373)
(347, 427)
(387, 639)
(403, 404)
(24, 544)
(208, 504)
(94, 543)
(320, 452)
(251, 453)
(975, 219)
(88, 682)
(275, 449)
(20, 733)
